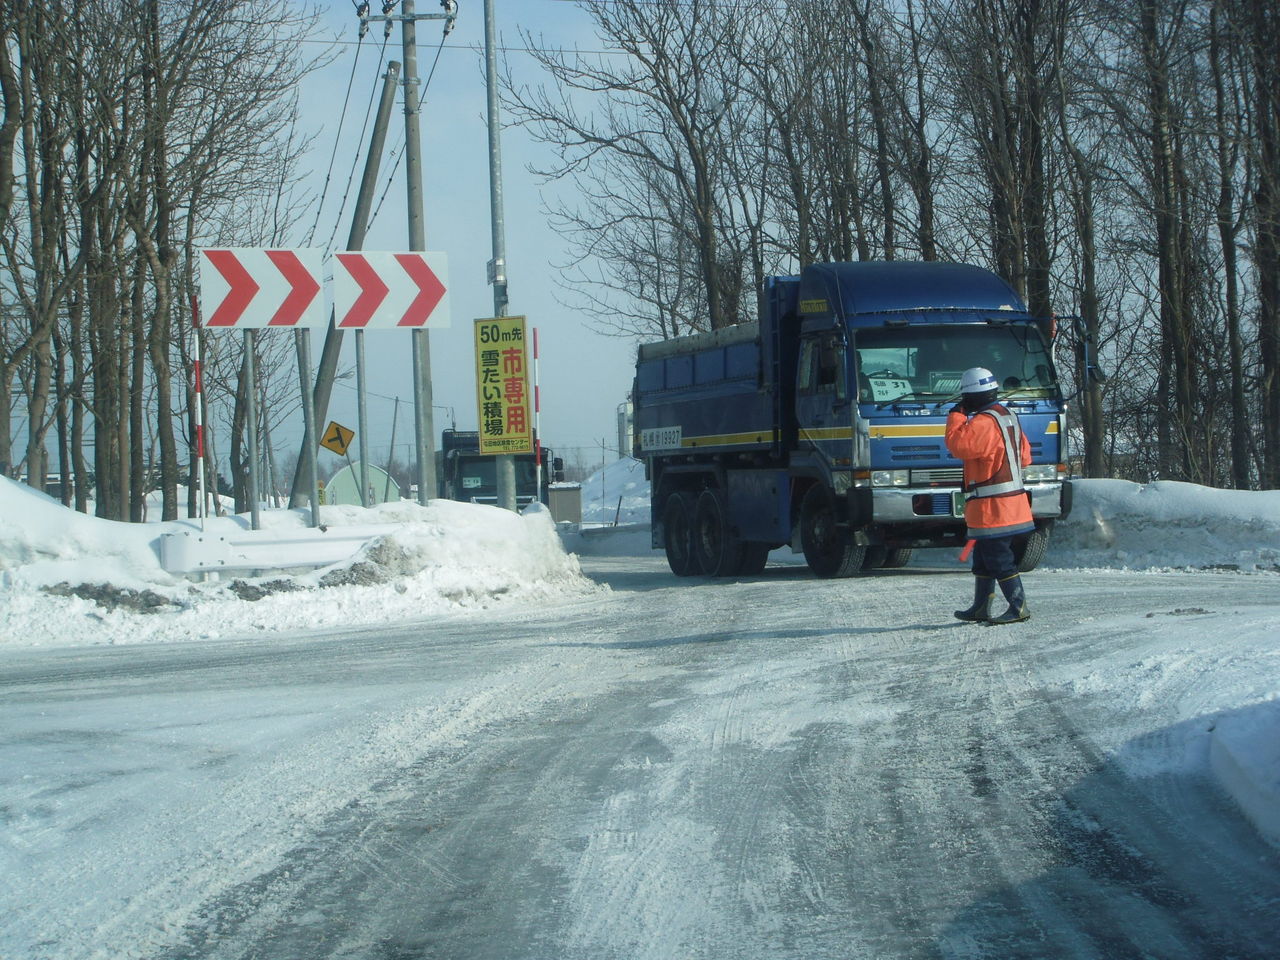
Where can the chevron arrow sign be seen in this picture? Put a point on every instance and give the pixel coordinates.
(381, 291)
(252, 287)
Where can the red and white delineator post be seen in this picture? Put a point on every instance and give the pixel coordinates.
(537, 424)
(198, 373)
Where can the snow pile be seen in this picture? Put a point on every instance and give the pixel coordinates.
(616, 492)
(1244, 754)
(71, 579)
(1168, 524)
(42, 542)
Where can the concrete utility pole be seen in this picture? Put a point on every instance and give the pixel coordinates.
(417, 232)
(506, 464)
(417, 241)
(332, 350)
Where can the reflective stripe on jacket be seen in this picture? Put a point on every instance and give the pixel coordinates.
(998, 506)
(1004, 480)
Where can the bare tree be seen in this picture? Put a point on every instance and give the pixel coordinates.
(658, 110)
(1226, 132)
(169, 120)
(1259, 23)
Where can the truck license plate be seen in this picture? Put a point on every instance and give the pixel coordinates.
(957, 503)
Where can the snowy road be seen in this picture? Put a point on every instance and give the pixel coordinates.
(779, 767)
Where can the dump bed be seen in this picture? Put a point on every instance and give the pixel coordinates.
(728, 391)
(703, 393)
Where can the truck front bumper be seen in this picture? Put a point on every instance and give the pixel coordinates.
(896, 505)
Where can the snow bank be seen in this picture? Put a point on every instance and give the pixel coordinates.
(1167, 524)
(69, 579)
(1244, 753)
(617, 492)
(41, 542)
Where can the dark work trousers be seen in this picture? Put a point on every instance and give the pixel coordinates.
(993, 557)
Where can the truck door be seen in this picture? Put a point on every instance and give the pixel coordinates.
(822, 400)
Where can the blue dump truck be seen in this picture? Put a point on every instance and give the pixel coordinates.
(821, 425)
(464, 473)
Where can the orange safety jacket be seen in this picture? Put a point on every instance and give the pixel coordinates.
(988, 442)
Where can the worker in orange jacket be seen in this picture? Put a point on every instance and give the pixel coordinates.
(987, 437)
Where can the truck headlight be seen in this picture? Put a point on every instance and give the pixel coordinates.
(888, 478)
(1040, 473)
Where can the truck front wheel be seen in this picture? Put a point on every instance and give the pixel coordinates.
(828, 548)
(677, 534)
(1029, 550)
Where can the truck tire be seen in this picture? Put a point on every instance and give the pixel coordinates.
(677, 534)
(886, 558)
(1029, 550)
(828, 548)
(873, 558)
(717, 551)
(895, 557)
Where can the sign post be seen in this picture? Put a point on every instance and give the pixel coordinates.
(254, 288)
(251, 413)
(388, 291)
(250, 288)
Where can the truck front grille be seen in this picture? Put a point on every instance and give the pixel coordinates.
(942, 476)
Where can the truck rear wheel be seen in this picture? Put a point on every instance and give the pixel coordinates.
(895, 557)
(828, 548)
(677, 534)
(717, 551)
(886, 558)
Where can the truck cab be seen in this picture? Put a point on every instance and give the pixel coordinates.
(464, 473)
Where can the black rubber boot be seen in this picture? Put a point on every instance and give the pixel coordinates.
(984, 588)
(1011, 587)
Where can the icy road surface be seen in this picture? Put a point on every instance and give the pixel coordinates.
(777, 767)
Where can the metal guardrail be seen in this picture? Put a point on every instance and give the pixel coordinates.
(241, 551)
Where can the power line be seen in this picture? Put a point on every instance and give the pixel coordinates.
(476, 48)
(337, 137)
(395, 166)
(355, 154)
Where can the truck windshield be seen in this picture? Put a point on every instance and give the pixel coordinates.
(478, 476)
(925, 362)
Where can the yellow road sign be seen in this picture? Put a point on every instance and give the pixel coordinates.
(337, 438)
(503, 398)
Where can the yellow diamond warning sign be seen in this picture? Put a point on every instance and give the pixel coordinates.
(337, 438)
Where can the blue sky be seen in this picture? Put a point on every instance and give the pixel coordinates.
(584, 375)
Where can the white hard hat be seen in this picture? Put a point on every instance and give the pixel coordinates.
(977, 380)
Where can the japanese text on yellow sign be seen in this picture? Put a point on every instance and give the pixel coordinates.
(502, 386)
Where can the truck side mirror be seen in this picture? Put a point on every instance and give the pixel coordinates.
(557, 470)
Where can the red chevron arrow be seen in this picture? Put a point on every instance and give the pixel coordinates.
(430, 290)
(304, 288)
(243, 288)
(372, 290)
